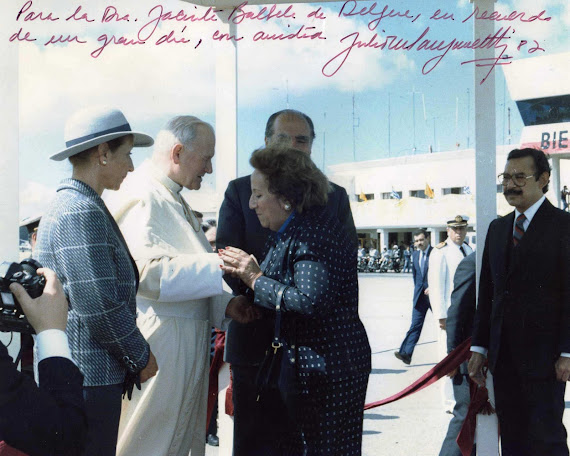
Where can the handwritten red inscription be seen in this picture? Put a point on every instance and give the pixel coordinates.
(111, 14)
(238, 14)
(31, 16)
(76, 17)
(18, 36)
(350, 8)
(299, 34)
(158, 15)
(62, 39)
(513, 16)
(395, 43)
(106, 40)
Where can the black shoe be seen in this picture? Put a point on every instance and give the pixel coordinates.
(406, 359)
(213, 440)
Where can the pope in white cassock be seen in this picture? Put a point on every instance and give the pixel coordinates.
(181, 293)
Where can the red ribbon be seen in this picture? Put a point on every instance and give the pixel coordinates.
(479, 397)
(215, 366)
(7, 450)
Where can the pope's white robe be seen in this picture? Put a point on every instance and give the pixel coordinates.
(181, 295)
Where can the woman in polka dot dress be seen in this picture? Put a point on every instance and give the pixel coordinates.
(313, 260)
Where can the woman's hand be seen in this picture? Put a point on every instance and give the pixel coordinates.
(240, 264)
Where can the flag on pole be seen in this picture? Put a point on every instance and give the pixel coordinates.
(429, 192)
(466, 190)
(362, 197)
(394, 195)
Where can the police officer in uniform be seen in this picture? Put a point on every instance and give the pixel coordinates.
(442, 265)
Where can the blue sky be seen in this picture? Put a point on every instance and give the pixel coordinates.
(152, 83)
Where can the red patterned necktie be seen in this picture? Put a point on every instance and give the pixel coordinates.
(519, 229)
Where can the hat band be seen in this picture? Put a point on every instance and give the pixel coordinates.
(73, 142)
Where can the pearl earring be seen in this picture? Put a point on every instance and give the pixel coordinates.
(104, 162)
(287, 207)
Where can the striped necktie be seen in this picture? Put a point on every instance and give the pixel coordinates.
(519, 229)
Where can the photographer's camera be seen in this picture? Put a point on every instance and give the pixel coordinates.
(11, 316)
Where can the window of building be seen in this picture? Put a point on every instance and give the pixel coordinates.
(541, 111)
(367, 197)
(499, 188)
(418, 193)
(391, 195)
(452, 191)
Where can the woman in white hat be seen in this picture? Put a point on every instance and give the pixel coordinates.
(80, 240)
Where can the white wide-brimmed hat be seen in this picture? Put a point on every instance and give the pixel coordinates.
(95, 125)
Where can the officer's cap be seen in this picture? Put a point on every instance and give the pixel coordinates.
(459, 220)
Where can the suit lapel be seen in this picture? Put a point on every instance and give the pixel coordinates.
(502, 244)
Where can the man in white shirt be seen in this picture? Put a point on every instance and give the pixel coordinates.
(443, 262)
(522, 322)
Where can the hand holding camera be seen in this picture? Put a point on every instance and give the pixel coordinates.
(49, 310)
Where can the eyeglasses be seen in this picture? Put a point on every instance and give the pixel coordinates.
(518, 179)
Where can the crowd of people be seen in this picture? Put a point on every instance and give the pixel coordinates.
(145, 288)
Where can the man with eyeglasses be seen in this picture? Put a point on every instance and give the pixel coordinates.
(522, 323)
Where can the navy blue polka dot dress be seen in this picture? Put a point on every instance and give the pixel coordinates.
(316, 261)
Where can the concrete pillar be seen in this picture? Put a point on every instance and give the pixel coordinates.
(383, 239)
(9, 170)
(485, 170)
(434, 235)
(226, 103)
(555, 182)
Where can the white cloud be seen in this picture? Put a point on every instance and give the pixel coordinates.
(34, 198)
(148, 81)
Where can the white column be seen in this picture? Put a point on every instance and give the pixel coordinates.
(9, 146)
(383, 239)
(226, 103)
(555, 182)
(485, 197)
(433, 235)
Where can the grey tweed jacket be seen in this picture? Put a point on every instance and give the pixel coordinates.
(81, 242)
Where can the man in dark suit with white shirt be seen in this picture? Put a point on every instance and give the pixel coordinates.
(49, 419)
(420, 264)
(522, 323)
(256, 423)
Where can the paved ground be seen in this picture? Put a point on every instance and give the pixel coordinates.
(414, 426)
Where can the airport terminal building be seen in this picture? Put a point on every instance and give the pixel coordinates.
(392, 197)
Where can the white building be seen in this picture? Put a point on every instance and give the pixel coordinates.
(383, 220)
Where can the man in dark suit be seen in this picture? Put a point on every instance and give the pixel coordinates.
(256, 424)
(49, 420)
(420, 263)
(522, 324)
(459, 326)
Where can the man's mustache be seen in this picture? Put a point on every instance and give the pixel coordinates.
(512, 191)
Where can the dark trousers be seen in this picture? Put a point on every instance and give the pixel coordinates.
(530, 414)
(258, 425)
(413, 334)
(103, 409)
(462, 400)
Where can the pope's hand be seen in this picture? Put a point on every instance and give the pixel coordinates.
(242, 310)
